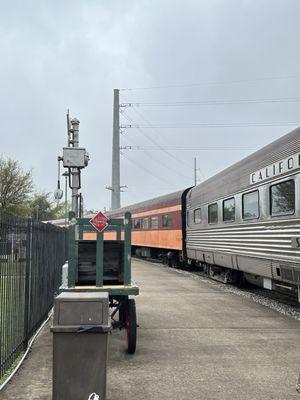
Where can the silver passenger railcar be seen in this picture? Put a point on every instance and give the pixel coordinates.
(245, 221)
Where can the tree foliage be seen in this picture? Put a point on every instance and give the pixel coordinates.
(42, 208)
(15, 187)
(17, 196)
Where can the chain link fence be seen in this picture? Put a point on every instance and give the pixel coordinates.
(31, 257)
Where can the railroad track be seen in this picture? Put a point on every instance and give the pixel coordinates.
(249, 288)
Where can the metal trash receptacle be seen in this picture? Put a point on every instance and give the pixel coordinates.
(80, 329)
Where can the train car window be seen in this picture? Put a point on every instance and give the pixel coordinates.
(154, 222)
(167, 221)
(250, 205)
(213, 213)
(283, 198)
(137, 224)
(229, 209)
(197, 216)
(145, 223)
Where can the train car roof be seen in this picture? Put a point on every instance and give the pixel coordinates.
(237, 176)
(151, 203)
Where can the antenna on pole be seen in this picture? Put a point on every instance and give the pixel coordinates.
(68, 128)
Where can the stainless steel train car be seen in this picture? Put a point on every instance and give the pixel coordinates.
(244, 222)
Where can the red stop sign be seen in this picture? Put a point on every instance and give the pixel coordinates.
(99, 221)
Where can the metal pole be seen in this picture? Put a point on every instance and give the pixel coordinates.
(195, 171)
(68, 128)
(66, 175)
(75, 171)
(115, 183)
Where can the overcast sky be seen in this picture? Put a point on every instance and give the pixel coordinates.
(72, 54)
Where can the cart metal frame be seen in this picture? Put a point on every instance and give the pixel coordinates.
(119, 300)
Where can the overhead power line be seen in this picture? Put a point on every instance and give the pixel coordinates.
(210, 125)
(180, 148)
(156, 160)
(159, 177)
(212, 102)
(156, 144)
(156, 131)
(212, 83)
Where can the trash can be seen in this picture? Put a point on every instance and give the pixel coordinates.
(80, 329)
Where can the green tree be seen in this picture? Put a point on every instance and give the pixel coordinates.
(15, 187)
(42, 208)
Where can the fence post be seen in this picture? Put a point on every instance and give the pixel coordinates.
(27, 281)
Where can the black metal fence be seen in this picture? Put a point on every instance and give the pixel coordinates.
(31, 257)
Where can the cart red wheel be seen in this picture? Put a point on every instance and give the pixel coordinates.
(130, 326)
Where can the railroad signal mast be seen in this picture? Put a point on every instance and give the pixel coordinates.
(74, 158)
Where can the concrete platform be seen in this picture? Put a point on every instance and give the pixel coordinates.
(195, 341)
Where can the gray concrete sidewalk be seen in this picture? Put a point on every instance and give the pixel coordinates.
(195, 341)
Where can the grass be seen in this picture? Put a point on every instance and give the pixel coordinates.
(12, 291)
(11, 368)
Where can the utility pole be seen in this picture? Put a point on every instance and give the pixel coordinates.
(196, 172)
(115, 181)
(116, 187)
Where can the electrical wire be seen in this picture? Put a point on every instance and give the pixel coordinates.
(182, 161)
(213, 83)
(159, 133)
(157, 144)
(151, 157)
(211, 125)
(144, 119)
(212, 102)
(145, 169)
(180, 148)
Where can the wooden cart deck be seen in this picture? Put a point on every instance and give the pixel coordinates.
(113, 290)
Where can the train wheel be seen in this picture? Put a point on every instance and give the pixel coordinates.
(130, 326)
(175, 262)
(239, 279)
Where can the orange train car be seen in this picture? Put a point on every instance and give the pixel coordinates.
(158, 227)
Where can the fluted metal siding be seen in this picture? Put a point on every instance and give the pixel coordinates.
(254, 245)
(261, 239)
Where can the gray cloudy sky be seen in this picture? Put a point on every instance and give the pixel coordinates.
(71, 54)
